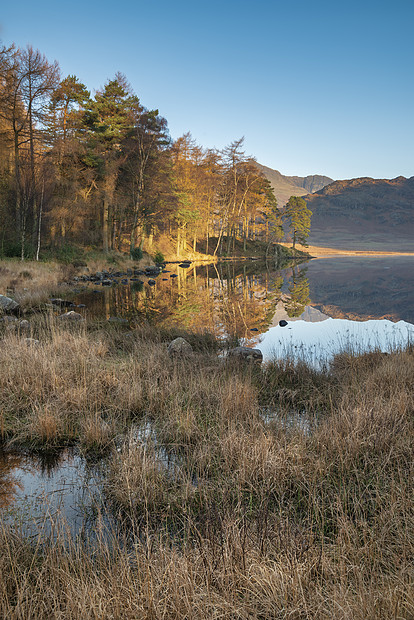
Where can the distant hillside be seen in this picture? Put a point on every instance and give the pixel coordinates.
(285, 187)
(364, 213)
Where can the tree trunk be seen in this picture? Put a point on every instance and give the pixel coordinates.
(105, 224)
(40, 220)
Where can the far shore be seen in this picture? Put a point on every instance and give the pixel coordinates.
(321, 252)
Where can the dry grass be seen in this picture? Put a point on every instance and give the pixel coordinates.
(228, 514)
(32, 283)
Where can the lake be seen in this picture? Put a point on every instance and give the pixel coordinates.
(329, 304)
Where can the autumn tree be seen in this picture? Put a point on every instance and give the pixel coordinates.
(74, 180)
(298, 217)
(148, 170)
(28, 80)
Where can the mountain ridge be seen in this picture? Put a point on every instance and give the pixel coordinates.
(286, 186)
(364, 213)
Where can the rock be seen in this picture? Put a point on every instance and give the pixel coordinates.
(173, 275)
(179, 348)
(106, 282)
(246, 353)
(282, 323)
(31, 341)
(71, 316)
(254, 329)
(151, 282)
(24, 326)
(7, 304)
(9, 319)
(118, 319)
(62, 303)
(81, 306)
(184, 265)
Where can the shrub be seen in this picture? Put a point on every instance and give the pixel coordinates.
(159, 258)
(136, 254)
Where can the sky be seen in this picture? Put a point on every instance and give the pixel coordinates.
(315, 87)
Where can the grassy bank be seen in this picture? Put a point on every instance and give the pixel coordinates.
(260, 516)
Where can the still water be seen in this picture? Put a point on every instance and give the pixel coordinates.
(329, 304)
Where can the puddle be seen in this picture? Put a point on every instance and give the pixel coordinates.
(45, 495)
(64, 493)
(294, 421)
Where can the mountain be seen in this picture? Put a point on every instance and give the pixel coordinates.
(285, 187)
(364, 213)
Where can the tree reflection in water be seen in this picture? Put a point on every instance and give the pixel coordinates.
(229, 298)
(299, 293)
(10, 484)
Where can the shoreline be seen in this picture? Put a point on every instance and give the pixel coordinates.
(322, 252)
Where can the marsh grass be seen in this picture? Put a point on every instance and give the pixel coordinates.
(227, 514)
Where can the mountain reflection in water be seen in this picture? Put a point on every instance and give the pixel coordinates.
(247, 298)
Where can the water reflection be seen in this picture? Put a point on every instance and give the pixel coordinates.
(245, 298)
(299, 293)
(45, 492)
(224, 298)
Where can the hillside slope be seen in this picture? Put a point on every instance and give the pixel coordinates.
(285, 186)
(364, 213)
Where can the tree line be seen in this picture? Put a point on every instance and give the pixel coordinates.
(103, 171)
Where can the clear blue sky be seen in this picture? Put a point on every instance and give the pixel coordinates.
(316, 87)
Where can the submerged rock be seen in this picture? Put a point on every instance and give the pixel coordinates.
(247, 354)
(62, 303)
(179, 348)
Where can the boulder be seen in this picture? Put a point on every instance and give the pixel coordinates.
(151, 282)
(71, 316)
(179, 348)
(7, 304)
(282, 323)
(247, 354)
